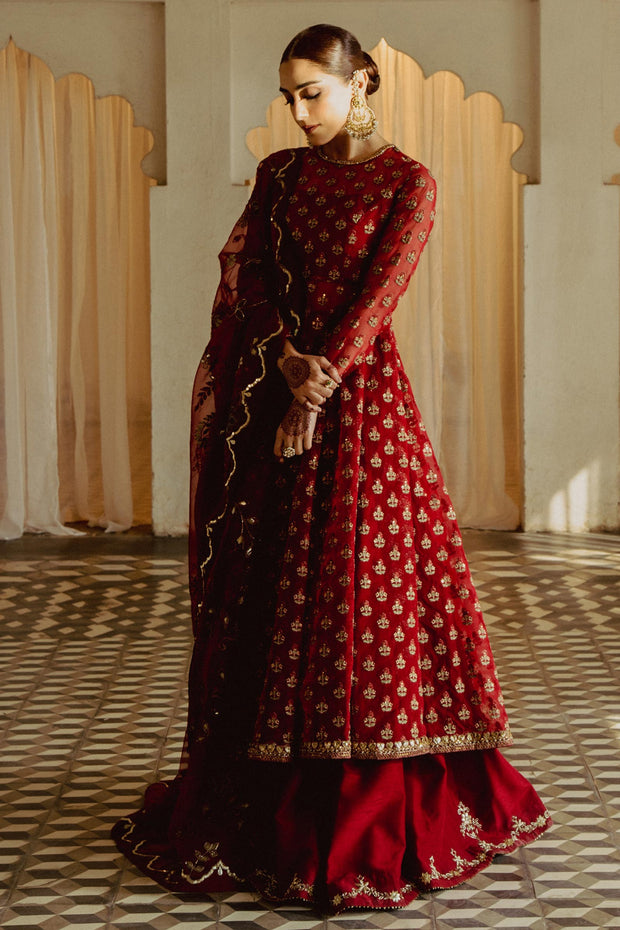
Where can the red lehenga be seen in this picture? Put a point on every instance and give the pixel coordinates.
(344, 710)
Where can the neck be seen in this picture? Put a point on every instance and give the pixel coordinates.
(344, 147)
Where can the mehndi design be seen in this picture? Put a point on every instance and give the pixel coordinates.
(296, 370)
(297, 420)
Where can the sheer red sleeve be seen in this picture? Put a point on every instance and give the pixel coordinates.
(395, 258)
(248, 276)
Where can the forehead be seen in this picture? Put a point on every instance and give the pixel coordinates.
(298, 71)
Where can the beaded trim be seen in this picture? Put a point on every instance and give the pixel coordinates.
(400, 749)
(358, 161)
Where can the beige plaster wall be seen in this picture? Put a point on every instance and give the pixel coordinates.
(553, 64)
(611, 88)
(118, 45)
(190, 221)
(491, 44)
(572, 285)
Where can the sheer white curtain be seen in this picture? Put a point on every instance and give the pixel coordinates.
(458, 326)
(74, 304)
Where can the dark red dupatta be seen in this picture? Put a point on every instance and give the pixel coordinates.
(238, 396)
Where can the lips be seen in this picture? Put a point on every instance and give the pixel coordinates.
(309, 129)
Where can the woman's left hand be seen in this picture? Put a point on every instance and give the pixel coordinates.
(312, 379)
(295, 431)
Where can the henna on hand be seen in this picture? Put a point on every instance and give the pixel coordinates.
(296, 421)
(296, 370)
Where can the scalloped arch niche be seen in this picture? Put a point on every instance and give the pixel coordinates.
(74, 303)
(459, 325)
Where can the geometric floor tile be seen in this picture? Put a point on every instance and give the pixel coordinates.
(94, 647)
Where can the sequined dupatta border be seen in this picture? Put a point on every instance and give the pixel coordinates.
(256, 306)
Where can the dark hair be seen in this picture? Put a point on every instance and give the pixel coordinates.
(335, 50)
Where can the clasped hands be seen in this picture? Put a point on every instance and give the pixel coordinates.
(312, 379)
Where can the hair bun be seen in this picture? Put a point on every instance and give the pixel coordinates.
(374, 78)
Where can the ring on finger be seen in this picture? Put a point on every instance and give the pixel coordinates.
(329, 383)
(288, 452)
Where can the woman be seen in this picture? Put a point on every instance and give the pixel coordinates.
(344, 711)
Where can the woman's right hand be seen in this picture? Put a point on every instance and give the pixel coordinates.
(295, 431)
(312, 379)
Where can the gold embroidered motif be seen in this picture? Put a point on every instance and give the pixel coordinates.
(363, 887)
(195, 871)
(519, 834)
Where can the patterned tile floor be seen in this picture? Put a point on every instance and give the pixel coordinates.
(94, 652)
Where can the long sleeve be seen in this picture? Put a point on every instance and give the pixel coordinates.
(395, 258)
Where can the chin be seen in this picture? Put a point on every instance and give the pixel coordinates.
(321, 138)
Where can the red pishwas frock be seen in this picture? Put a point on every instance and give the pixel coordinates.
(344, 709)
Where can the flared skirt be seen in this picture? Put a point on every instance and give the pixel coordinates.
(337, 834)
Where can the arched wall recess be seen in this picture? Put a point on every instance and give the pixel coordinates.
(459, 325)
(74, 303)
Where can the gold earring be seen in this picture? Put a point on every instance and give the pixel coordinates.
(361, 121)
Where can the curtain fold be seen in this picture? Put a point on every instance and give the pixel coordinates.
(74, 313)
(458, 326)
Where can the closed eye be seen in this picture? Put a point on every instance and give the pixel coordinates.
(288, 100)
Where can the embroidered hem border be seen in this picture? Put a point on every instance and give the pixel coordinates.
(400, 749)
(365, 894)
(521, 834)
(207, 863)
(370, 895)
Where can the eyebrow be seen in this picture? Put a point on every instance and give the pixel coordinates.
(283, 90)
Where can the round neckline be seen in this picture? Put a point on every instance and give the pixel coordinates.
(349, 163)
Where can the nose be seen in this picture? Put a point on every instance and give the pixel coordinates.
(300, 111)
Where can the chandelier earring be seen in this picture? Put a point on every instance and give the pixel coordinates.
(361, 121)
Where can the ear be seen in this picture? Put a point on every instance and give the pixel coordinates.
(359, 80)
